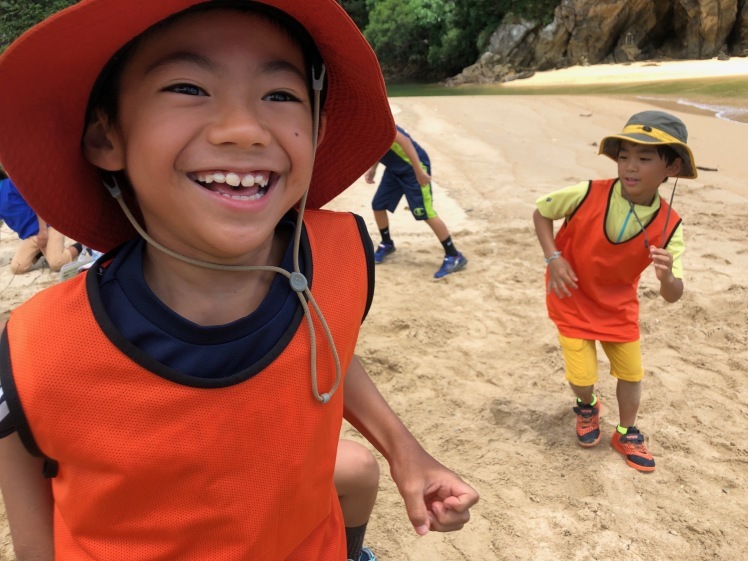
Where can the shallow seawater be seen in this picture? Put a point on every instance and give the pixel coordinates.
(725, 98)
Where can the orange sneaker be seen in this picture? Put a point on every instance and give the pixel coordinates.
(631, 445)
(588, 423)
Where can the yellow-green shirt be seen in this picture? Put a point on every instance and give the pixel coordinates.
(620, 224)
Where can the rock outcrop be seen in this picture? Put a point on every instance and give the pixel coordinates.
(607, 31)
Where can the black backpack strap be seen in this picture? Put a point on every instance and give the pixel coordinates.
(15, 412)
(369, 255)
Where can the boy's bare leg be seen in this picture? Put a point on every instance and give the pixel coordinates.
(380, 217)
(439, 228)
(356, 481)
(584, 393)
(26, 254)
(629, 396)
(56, 252)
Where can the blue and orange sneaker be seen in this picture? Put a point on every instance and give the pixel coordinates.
(451, 265)
(588, 423)
(383, 251)
(631, 445)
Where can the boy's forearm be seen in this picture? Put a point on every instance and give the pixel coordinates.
(28, 501)
(369, 413)
(544, 231)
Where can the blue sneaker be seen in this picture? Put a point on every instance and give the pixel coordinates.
(366, 555)
(450, 265)
(383, 251)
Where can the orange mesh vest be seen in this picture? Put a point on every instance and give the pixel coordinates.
(605, 307)
(152, 469)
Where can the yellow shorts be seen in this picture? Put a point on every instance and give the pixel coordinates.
(580, 357)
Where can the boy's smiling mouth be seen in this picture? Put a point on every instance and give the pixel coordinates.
(249, 186)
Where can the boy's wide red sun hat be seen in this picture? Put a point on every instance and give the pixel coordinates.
(48, 74)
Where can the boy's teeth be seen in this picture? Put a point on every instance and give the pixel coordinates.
(234, 179)
(254, 197)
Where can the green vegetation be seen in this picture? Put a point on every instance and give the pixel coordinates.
(18, 15)
(433, 39)
(414, 39)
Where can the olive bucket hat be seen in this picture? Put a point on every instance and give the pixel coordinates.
(49, 72)
(657, 128)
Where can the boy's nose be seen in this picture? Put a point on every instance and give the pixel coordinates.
(238, 123)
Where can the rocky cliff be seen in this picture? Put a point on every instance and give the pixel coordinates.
(608, 31)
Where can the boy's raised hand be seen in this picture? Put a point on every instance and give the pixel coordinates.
(671, 288)
(435, 497)
(561, 277)
(663, 262)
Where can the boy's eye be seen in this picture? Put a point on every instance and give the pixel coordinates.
(186, 89)
(280, 96)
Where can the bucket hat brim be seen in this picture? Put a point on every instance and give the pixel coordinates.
(643, 134)
(48, 74)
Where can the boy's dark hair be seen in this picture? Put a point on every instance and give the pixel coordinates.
(668, 153)
(105, 92)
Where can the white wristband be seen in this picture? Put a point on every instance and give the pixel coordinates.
(555, 255)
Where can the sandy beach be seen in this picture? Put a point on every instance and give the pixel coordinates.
(472, 365)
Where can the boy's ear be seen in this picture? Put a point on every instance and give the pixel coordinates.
(102, 145)
(322, 128)
(675, 168)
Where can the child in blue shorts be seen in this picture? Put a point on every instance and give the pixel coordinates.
(613, 230)
(408, 172)
(37, 238)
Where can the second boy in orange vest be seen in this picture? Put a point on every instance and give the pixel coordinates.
(613, 229)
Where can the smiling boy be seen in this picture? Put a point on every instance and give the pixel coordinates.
(613, 230)
(190, 409)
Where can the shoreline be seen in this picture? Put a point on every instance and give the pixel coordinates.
(735, 112)
(648, 74)
(701, 87)
(636, 72)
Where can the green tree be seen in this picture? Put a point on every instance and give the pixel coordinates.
(402, 32)
(469, 26)
(16, 16)
(358, 11)
(433, 39)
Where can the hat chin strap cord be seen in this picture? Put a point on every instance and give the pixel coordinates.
(296, 279)
(667, 216)
(669, 208)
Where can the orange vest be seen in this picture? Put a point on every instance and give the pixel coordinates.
(605, 307)
(151, 469)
